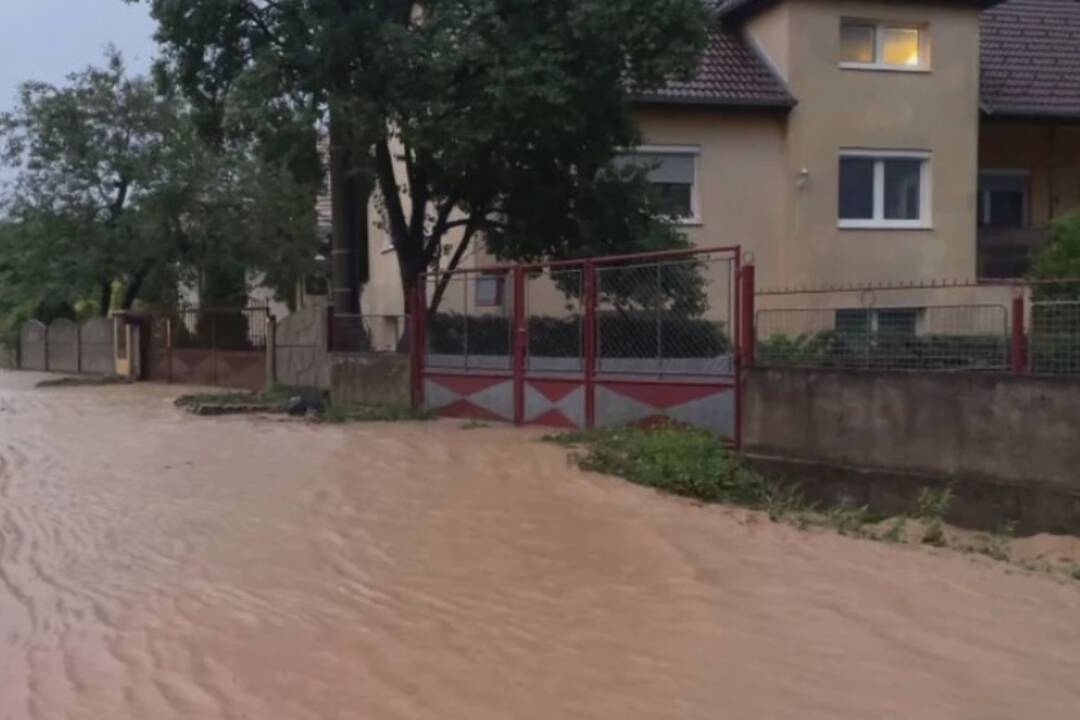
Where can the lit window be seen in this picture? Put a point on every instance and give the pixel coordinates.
(673, 174)
(881, 45)
(884, 190)
(1003, 198)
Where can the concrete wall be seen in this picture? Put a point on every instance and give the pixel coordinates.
(9, 358)
(370, 379)
(986, 427)
(33, 349)
(97, 347)
(63, 339)
(300, 355)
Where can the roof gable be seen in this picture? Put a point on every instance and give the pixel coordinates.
(732, 74)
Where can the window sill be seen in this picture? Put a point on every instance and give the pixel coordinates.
(687, 222)
(882, 225)
(882, 67)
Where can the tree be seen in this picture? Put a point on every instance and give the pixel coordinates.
(84, 154)
(475, 118)
(1059, 260)
(118, 194)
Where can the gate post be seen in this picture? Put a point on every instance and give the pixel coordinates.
(520, 336)
(1018, 346)
(271, 349)
(747, 337)
(590, 291)
(168, 346)
(418, 341)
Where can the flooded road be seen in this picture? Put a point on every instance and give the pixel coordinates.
(157, 565)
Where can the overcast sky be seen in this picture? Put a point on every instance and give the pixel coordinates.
(48, 39)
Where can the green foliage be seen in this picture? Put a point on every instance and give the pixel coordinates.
(678, 460)
(933, 503)
(848, 519)
(503, 116)
(1059, 259)
(338, 413)
(804, 350)
(622, 335)
(897, 531)
(117, 200)
(887, 351)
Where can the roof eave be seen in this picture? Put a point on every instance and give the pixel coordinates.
(1031, 113)
(775, 104)
(739, 10)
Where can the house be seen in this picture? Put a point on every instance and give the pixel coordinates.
(864, 141)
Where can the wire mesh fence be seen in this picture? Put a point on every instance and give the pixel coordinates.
(1054, 342)
(555, 317)
(469, 320)
(232, 329)
(671, 317)
(666, 315)
(935, 338)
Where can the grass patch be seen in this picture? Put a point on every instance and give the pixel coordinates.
(692, 463)
(302, 401)
(682, 461)
(337, 414)
(193, 400)
(82, 381)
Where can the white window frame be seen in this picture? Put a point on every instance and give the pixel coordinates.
(879, 32)
(879, 221)
(1025, 175)
(694, 219)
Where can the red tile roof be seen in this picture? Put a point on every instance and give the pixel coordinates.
(732, 73)
(1031, 59)
(1030, 62)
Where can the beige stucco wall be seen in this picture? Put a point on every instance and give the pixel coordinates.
(771, 34)
(742, 186)
(935, 111)
(1050, 153)
(749, 167)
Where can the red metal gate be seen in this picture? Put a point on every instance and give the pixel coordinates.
(223, 347)
(578, 344)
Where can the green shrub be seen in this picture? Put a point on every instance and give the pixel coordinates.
(632, 334)
(682, 461)
(885, 351)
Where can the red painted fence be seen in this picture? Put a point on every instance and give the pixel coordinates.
(590, 343)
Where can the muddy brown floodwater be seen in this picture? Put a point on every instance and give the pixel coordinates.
(157, 565)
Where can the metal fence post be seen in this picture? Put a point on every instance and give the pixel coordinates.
(271, 349)
(418, 341)
(1018, 344)
(747, 334)
(590, 343)
(520, 345)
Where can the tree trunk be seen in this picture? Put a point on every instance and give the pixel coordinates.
(131, 292)
(105, 298)
(349, 196)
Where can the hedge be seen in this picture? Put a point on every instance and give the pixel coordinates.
(632, 334)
